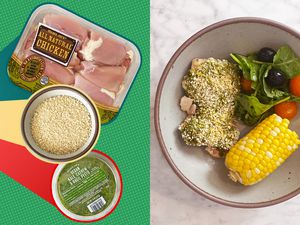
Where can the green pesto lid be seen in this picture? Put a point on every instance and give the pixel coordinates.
(87, 189)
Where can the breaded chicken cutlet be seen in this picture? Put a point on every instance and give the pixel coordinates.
(211, 87)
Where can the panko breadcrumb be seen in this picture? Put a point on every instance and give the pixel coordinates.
(61, 125)
(213, 85)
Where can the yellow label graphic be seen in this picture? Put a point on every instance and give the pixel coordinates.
(32, 68)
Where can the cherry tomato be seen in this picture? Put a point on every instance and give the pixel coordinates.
(246, 85)
(295, 86)
(286, 110)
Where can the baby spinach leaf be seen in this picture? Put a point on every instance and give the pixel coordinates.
(259, 91)
(249, 68)
(269, 91)
(287, 61)
(250, 109)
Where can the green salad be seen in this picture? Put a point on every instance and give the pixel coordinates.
(270, 81)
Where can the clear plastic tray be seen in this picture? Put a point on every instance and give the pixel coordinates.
(29, 68)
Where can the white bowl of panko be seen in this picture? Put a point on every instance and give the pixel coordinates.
(60, 124)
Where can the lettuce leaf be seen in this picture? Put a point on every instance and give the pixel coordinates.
(249, 68)
(287, 61)
(251, 110)
(270, 92)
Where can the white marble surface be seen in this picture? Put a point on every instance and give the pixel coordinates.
(172, 22)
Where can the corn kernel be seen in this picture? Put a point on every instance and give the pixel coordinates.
(248, 145)
(251, 141)
(248, 150)
(276, 142)
(269, 154)
(273, 133)
(260, 141)
(277, 130)
(241, 147)
(257, 171)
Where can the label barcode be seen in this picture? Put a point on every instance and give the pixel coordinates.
(97, 204)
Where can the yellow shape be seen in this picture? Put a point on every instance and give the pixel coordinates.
(10, 120)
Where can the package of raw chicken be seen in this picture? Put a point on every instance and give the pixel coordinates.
(59, 47)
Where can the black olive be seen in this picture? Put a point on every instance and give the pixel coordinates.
(276, 78)
(266, 55)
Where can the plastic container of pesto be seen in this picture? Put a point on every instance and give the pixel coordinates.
(88, 189)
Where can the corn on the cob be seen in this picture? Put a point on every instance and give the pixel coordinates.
(261, 151)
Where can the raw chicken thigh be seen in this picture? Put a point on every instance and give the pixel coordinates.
(98, 66)
(108, 77)
(102, 50)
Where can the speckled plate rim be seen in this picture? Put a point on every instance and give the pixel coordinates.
(157, 109)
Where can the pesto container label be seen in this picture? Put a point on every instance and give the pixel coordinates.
(86, 187)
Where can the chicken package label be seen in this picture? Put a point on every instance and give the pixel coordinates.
(54, 45)
(59, 47)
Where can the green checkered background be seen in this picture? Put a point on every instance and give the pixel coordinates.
(126, 139)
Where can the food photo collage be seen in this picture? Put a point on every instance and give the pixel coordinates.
(150, 112)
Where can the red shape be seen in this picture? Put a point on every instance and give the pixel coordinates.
(18, 163)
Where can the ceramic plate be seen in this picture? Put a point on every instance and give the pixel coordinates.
(195, 167)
